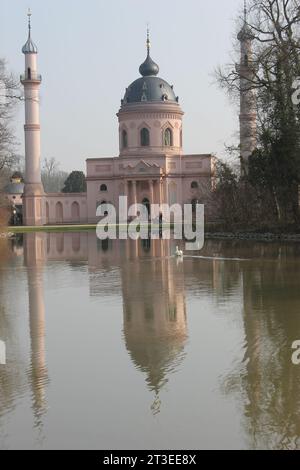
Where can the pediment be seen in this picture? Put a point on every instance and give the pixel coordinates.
(143, 167)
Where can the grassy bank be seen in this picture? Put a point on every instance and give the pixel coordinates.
(212, 231)
(65, 228)
(51, 228)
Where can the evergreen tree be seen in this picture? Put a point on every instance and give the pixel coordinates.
(75, 183)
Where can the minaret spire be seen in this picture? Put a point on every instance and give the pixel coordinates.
(29, 47)
(29, 20)
(245, 11)
(148, 40)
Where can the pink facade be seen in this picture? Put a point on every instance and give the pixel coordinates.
(158, 179)
(66, 208)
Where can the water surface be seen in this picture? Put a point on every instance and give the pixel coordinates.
(117, 344)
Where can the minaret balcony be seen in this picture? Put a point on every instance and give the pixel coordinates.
(32, 77)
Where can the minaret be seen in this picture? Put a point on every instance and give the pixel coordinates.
(34, 196)
(246, 70)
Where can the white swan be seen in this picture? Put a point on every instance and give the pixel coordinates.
(178, 253)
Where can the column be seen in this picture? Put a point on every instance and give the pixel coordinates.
(151, 192)
(160, 191)
(125, 188)
(134, 198)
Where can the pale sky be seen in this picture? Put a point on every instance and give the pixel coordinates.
(90, 51)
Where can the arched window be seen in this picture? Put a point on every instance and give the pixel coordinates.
(181, 138)
(124, 139)
(194, 185)
(145, 137)
(29, 73)
(75, 212)
(59, 212)
(168, 137)
(103, 188)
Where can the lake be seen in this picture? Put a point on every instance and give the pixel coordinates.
(119, 345)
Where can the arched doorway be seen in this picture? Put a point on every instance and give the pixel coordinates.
(104, 203)
(75, 212)
(146, 203)
(59, 213)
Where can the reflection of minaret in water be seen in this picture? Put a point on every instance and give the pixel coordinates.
(155, 328)
(34, 257)
(266, 381)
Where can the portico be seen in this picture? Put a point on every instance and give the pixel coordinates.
(147, 188)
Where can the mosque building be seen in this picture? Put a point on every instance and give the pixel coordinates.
(15, 189)
(151, 166)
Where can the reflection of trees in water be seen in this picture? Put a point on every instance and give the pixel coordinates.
(215, 277)
(12, 377)
(266, 382)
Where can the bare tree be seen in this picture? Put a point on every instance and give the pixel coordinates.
(274, 26)
(53, 178)
(10, 94)
(50, 166)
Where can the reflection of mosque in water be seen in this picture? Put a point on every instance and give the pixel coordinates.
(152, 287)
(152, 284)
(155, 288)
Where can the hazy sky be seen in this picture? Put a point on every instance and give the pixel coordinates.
(90, 51)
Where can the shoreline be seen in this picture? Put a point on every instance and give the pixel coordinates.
(267, 236)
(254, 236)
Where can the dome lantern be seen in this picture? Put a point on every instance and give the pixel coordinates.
(149, 67)
(149, 88)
